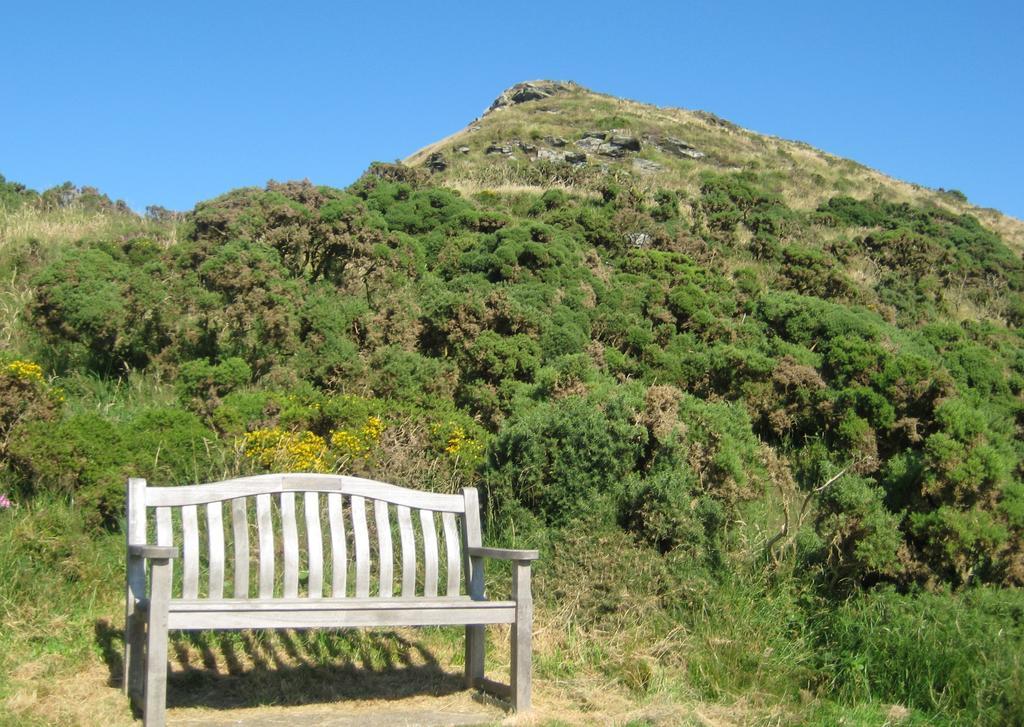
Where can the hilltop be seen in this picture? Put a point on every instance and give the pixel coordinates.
(542, 134)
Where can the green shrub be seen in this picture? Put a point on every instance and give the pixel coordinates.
(563, 460)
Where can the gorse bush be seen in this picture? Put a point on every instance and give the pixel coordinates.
(520, 311)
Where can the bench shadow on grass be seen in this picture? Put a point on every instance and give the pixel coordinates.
(234, 670)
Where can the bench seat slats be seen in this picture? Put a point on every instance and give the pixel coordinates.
(317, 604)
(394, 615)
(290, 537)
(385, 556)
(339, 558)
(273, 484)
(314, 546)
(265, 526)
(240, 534)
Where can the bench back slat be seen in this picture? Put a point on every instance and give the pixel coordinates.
(240, 533)
(215, 540)
(190, 552)
(164, 532)
(385, 556)
(453, 551)
(265, 526)
(362, 539)
(429, 553)
(314, 545)
(339, 557)
(408, 551)
(290, 536)
(277, 543)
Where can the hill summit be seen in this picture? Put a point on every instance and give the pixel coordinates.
(544, 133)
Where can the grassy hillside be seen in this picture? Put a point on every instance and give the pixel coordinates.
(534, 117)
(764, 426)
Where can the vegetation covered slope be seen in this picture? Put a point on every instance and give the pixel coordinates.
(768, 441)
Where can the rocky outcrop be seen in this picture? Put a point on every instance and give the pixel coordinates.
(615, 143)
(436, 162)
(676, 147)
(530, 91)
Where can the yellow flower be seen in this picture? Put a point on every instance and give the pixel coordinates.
(294, 451)
(360, 444)
(25, 370)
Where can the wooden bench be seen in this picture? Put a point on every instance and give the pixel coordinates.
(328, 568)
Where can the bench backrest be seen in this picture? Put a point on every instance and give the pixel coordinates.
(309, 536)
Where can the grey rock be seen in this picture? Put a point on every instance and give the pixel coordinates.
(624, 141)
(436, 162)
(575, 157)
(590, 143)
(548, 155)
(463, 150)
(679, 148)
(498, 149)
(611, 150)
(530, 91)
(528, 148)
(556, 141)
(595, 135)
(639, 239)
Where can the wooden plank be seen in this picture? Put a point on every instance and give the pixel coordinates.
(290, 536)
(429, 553)
(155, 699)
(301, 603)
(215, 542)
(385, 554)
(521, 636)
(474, 568)
(395, 615)
(190, 554)
(240, 534)
(165, 534)
(265, 527)
(451, 546)
(314, 546)
(302, 482)
(503, 553)
(362, 538)
(408, 541)
(153, 552)
(339, 556)
(135, 587)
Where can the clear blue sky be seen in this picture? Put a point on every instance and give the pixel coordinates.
(176, 104)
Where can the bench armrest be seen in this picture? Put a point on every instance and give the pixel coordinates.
(153, 552)
(503, 554)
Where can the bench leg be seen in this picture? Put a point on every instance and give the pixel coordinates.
(154, 710)
(522, 637)
(474, 655)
